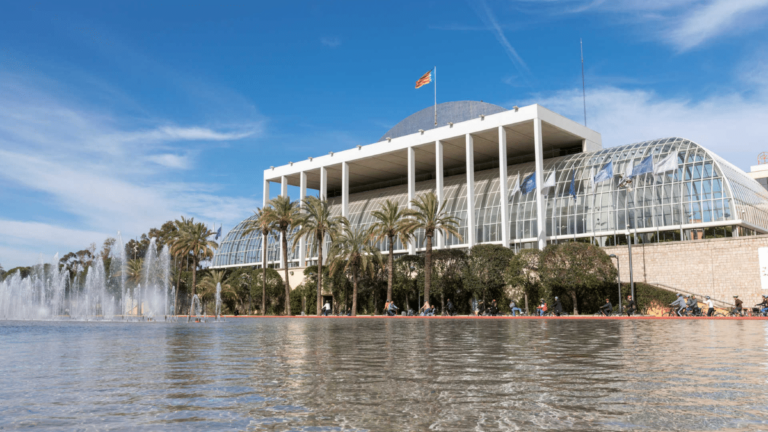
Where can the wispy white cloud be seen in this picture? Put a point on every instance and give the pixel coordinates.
(100, 172)
(732, 125)
(331, 42)
(684, 24)
(488, 18)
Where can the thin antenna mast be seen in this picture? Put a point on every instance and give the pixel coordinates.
(435, 68)
(583, 86)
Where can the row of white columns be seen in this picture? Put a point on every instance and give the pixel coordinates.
(470, 239)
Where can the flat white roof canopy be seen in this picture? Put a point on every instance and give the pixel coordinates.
(373, 165)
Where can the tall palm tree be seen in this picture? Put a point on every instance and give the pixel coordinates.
(316, 222)
(390, 223)
(428, 214)
(282, 217)
(193, 240)
(352, 253)
(263, 224)
(178, 254)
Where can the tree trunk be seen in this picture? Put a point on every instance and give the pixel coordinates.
(285, 263)
(442, 302)
(428, 268)
(320, 274)
(391, 266)
(575, 305)
(406, 302)
(526, 302)
(176, 297)
(264, 275)
(354, 293)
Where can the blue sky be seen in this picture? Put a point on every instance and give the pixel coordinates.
(122, 115)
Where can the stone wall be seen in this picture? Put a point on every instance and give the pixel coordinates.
(720, 268)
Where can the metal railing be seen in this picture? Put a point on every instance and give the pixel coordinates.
(724, 304)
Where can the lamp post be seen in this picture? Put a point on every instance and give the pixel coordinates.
(618, 276)
(627, 183)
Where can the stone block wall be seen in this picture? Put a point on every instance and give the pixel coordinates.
(720, 268)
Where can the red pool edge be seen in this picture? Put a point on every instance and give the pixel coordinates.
(580, 317)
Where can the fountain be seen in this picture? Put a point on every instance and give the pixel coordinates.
(51, 292)
(197, 309)
(218, 302)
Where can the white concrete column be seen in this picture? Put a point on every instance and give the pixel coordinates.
(439, 186)
(503, 189)
(470, 239)
(323, 183)
(324, 196)
(302, 197)
(283, 193)
(266, 193)
(345, 189)
(540, 207)
(411, 189)
(264, 245)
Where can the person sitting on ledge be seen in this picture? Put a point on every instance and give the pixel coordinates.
(542, 308)
(631, 306)
(679, 303)
(493, 309)
(391, 309)
(514, 309)
(738, 303)
(426, 310)
(558, 306)
(607, 308)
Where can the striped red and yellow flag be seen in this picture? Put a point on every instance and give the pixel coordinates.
(424, 80)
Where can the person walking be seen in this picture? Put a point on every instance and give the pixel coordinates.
(558, 306)
(450, 308)
(710, 306)
(326, 308)
(631, 306)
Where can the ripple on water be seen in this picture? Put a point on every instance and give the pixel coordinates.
(334, 375)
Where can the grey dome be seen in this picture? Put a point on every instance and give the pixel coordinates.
(453, 112)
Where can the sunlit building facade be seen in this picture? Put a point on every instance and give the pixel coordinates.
(481, 152)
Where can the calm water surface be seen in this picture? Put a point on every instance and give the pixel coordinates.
(380, 375)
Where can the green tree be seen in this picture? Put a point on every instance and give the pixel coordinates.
(409, 270)
(193, 241)
(523, 273)
(315, 223)
(484, 273)
(431, 216)
(208, 286)
(262, 223)
(576, 269)
(448, 271)
(391, 223)
(352, 253)
(282, 216)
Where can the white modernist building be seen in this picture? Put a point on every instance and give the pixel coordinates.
(477, 154)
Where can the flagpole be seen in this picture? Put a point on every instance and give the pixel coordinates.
(583, 85)
(435, 68)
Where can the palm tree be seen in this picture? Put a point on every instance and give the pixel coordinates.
(263, 224)
(283, 216)
(431, 216)
(209, 282)
(193, 240)
(316, 222)
(390, 223)
(178, 254)
(134, 272)
(352, 253)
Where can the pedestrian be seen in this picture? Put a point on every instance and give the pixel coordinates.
(558, 306)
(514, 309)
(738, 303)
(326, 308)
(631, 306)
(711, 306)
(450, 308)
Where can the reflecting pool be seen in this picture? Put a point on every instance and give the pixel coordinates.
(385, 374)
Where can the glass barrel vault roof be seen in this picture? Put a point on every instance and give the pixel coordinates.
(704, 190)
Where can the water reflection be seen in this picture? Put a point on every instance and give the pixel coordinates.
(348, 374)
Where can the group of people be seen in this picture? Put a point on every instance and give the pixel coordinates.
(607, 308)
